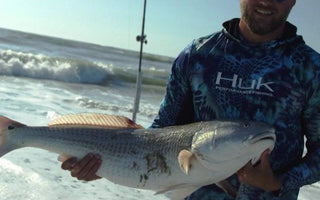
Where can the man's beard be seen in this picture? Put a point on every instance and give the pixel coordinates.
(262, 28)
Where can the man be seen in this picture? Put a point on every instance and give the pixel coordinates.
(256, 68)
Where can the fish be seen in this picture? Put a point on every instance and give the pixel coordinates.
(175, 160)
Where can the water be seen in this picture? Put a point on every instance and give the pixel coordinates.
(43, 77)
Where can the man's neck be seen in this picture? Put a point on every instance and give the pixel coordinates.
(259, 39)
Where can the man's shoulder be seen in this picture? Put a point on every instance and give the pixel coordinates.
(204, 44)
(207, 39)
(311, 51)
(305, 52)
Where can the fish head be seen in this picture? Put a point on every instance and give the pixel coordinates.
(224, 145)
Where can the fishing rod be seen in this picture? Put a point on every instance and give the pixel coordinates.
(142, 39)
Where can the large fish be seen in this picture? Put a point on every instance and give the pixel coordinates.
(175, 160)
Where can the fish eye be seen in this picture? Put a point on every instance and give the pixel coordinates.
(10, 127)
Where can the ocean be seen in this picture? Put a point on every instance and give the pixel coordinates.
(44, 77)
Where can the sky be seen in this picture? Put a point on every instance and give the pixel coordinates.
(170, 24)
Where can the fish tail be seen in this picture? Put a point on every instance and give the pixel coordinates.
(6, 125)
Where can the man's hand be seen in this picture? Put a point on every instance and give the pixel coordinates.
(84, 169)
(261, 175)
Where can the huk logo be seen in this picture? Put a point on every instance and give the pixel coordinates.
(235, 83)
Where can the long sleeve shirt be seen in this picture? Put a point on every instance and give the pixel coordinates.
(223, 76)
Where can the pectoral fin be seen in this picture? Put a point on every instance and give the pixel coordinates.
(184, 158)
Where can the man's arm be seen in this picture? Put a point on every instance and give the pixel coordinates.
(177, 108)
(308, 170)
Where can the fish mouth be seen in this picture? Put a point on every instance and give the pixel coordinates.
(265, 136)
(268, 135)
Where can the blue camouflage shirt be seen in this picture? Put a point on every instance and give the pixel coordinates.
(223, 76)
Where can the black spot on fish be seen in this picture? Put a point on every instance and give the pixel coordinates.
(10, 127)
(143, 179)
(156, 162)
(135, 166)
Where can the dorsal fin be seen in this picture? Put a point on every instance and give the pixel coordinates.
(94, 120)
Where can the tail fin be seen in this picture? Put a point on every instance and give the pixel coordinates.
(5, 125)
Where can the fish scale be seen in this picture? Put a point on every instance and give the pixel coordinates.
(114, 146)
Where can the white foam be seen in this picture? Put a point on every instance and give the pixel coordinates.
(40, 66)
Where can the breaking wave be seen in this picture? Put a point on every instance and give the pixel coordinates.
(73, 70)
